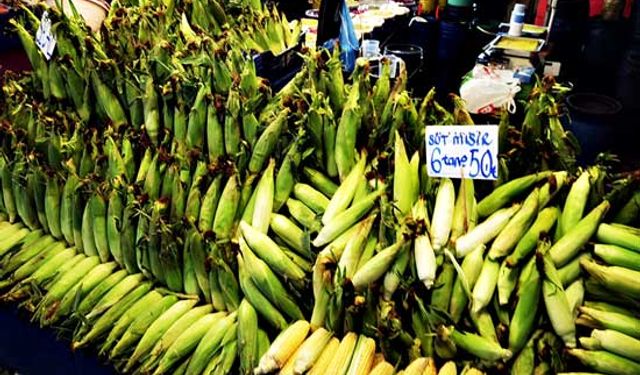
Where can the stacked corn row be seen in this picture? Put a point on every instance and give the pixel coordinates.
(297, 350)
(142, 197)
(189, 172)
(134, 324)
(611, 308)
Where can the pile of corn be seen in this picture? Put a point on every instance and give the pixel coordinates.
(613, 297)
(164, 206)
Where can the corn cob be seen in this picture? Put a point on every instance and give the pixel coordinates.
(574, 205)
(270, 252)
(98, 211)
(112, 314)
(363, 353)
(321, 365)
(618, 256)
(285, 179)
(484, 324)
(345, 192)
(186, 342)
(58, 289)
(321, 182)
(303, 215)
(268, 283)
(485, 285)
(525, 313)
(507, 280)
(267, 141)
(382, 368)
(264, 200)
(619, 279)
(345, 220)
(404, 190)
(516, 228)
(210, 204)
(443, 287)
(283, 347)
(344, 354)
(139, 326)
(442, 214)
(312, 198)
(211, 342)
(392, 278)
(471, 268)
(345, 146)
(310, 350)
(114, 213)
(26, 252)
(226, 210)
(618, 235)
(485, 231)
(463, 215)
(291, 234)
(569, 245)
(507, 192)
(377, 266)
(157, 329)
(449, 368)
(257, 299)
(247, 337)
(476, 345)
(572, 270)
(557, 304)
(124, 322)
(617, 343)
(116, 293)
(544, 222)
(353, 250)
(52, 266)
(12, 239)
(606, 362)
(417, 366)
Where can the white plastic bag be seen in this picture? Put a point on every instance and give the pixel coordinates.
(489, 91)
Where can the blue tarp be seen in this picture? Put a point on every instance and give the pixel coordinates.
(31, 350)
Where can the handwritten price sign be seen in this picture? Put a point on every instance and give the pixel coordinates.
(44, 38)
(463, 151)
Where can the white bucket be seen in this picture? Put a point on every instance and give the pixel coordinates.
(93, 11)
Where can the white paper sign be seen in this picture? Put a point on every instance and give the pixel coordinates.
(44, 38)
(462, 151)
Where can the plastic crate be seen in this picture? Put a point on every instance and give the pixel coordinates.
(279, 69)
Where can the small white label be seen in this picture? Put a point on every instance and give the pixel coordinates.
(462, 151)
(44, 38)
(552, 68)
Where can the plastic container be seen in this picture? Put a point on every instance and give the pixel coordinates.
(394, 65)
(594, 122)
(370, 48)
(93, 11)
(516, 24)
(409, 53)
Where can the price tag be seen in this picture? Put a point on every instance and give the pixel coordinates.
(462, 151)
(44, 38)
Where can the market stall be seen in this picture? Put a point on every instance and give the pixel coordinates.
(191, 190)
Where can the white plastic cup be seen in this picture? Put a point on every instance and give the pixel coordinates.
(519, 8)
(516, 23)
(370, 48)
(394, 62)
